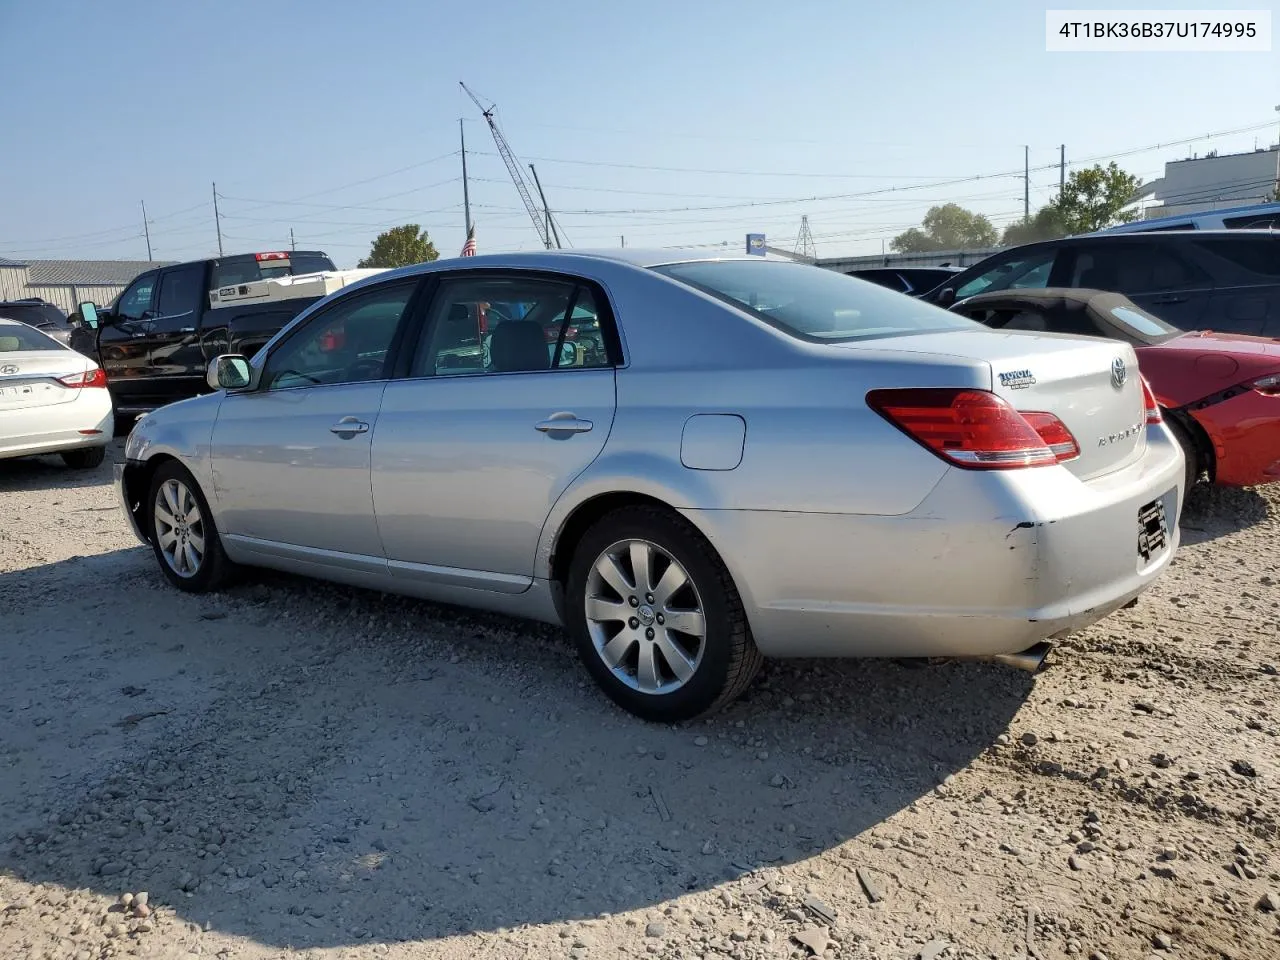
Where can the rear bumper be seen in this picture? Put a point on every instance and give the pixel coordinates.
(1245, 431)
(57, 427)
(989, 563)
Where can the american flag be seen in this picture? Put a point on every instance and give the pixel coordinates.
(469, 248)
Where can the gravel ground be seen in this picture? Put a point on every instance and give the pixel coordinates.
(295, 769)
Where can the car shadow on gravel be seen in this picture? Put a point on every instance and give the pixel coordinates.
(309, 765)
(1212, 512)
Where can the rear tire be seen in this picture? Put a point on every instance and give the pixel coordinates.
(182, 533)
(639, 639)
(85, 458)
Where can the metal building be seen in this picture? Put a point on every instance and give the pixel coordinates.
(66, 283)
(1198, 184)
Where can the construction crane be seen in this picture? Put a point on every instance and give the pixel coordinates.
(541, 219)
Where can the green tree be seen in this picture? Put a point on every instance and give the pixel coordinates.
(1095, 198)
(1047, 224)
(948, 227)
(399, 247)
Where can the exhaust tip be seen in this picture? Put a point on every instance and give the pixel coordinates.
(1030, 659)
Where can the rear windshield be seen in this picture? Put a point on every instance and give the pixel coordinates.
(814, 304)
(233, 270)
(43, 316)
(18, 338)
(1142, 322)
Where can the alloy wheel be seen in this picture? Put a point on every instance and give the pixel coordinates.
(179, 527)
(645, 617)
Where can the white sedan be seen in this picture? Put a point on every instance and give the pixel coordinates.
(52, 399)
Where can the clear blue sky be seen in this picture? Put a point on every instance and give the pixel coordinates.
(107, 104)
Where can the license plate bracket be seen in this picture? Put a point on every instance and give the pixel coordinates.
(1153, 530)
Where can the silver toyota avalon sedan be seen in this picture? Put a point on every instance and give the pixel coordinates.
(690, 461)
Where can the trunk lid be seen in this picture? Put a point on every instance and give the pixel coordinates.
(29, 378)
(1090, 384)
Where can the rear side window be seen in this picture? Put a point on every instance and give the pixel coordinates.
(1263, 221)
(1132, 268)
(1261, 256)
(16, 338)
(811, 303)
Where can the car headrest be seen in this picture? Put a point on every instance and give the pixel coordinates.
(9, 343)
(518, 345)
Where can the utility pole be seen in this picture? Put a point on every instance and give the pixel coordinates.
(466, 198)
(217, 219)
(293, 244)
(1026, 184)
(146, 230)
(551, 224)
(1276, 194)
(1062, 170)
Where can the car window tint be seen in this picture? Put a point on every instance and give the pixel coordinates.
(811, 303)
(1030, 271)
(137, 299)
(479, 325)
(1132, 268)
(346, 343)
(1260, 256)
(180, 296)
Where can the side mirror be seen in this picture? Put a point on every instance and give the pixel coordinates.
(946, 297)
(228, 372)
(88, 315)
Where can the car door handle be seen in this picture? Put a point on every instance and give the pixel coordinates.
(563, 423)
(348, 427)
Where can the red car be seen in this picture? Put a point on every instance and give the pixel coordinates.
(1220, 392)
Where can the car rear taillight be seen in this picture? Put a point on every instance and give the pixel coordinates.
(279, 255)
(974, 429)
(97, 377)
(1268, 385)
(1054, 433)
(1149, 402)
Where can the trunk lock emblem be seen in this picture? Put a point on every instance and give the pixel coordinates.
(1118, 373)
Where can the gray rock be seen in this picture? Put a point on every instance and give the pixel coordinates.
(1162, 941)
(700, 741)
(113, 867)
(1269, 902)
(656, 930)
(1029, 739)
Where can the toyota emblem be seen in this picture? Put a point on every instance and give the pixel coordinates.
(1118, 372)
(9, 368)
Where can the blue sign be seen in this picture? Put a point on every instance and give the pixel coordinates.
(755, 244)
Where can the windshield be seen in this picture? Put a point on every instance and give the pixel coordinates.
(814, 304)
(246, 269)
(19, 338)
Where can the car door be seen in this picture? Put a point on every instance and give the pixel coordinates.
(291, 455)
(176, 360)
(1155, 276)
(474, 447)
(123, 344)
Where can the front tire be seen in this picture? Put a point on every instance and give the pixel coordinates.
(183, 536)
(657, 619)
(86, 458)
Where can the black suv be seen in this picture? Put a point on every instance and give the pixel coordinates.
(40, 314)
(1224, 280)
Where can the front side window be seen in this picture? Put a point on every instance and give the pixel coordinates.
(1028, 271)
(811, 303)
(136, 301)
(346, 343)
(510, 325)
